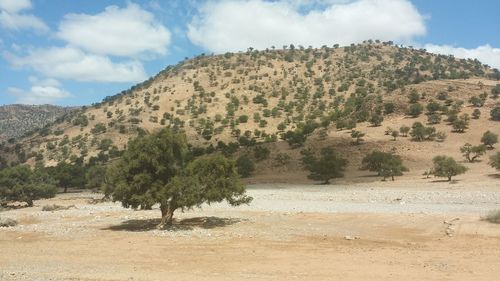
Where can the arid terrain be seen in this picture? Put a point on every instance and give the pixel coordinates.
(417, 229)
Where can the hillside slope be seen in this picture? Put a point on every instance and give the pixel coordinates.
(259, 96)
(18, 119)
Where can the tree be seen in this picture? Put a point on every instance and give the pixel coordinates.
(476, 113)
(489, 139)
(495, 113)
(404, 130)
(392, 167)
(447, 167)
(68, 175)
(385, 164)
(434, 118)
(471, 153)
(389, 107)
(20, 183)
(420, 133)
(495, 161)
(245, 166)
(461, 124)
(95, 177)
(261, 152)
(326, 167)
(357, 136)
(376, 120)
(415, 110)
(394, 134)
(157, 169)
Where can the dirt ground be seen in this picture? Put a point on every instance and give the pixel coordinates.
(365, 231)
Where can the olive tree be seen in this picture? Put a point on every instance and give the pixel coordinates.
(495, 161)
(447, 167)
(385, 164)
(489, 139)
(471, 153)
(157, 169)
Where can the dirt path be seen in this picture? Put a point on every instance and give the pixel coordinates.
(288, 233)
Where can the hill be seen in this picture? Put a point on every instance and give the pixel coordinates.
(18, 119)
(287, 98)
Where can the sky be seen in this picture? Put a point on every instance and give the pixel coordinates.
(68, 52)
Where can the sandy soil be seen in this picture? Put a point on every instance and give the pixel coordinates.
(302, 232)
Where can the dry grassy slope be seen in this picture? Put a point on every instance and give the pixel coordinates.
(210, 83)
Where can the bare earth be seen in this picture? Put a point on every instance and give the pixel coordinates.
(367, 231)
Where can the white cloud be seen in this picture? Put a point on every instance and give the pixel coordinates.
(129, 31)
(234, 26)
(72, 63)
(41, 92)
(12, 19)
(486, 54)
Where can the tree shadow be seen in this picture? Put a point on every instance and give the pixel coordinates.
(177, 225)
(445, 180)
(495, 176)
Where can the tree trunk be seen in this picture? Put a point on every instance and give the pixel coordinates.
(65, 189)
(167, 214)
(449, 178)
(29, 202)
(392, 176)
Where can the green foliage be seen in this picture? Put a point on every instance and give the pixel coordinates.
(489, 139)
(419, 132)
(404, 130)
(447, 167)
(471, 153)
(245, 166)
(327, 166)
(434, 118)
(415, 110)
(461, 124)
(476, 113)
(385, 164)
(495, 161)
(98, 128)
(68, 175)
(389, 107)
(495, 113)
(261, 152)
(357, 136)
(20, 183)
(95, 177)
(376, 120)
(155, 170)
(433, 106)
(243, 118)
(282, 159)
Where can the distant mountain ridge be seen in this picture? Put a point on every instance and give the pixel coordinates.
(17, 119)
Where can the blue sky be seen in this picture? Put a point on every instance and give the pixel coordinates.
(77, 52)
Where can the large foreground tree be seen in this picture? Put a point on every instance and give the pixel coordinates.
(384, 163)
(156, 169)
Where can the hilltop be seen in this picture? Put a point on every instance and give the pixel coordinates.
(286, 98)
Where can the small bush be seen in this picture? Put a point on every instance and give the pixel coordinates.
(245, 166)
(493, 217)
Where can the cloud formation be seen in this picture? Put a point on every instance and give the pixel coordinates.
(222, 26)
(105, 47)
(41, 92)
(72, 63)
(129, 31)
(486, 54)
(11, 17)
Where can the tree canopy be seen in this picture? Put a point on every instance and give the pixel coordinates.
(445, 166)
(21, 183)
(326, 167)
(157, 169)
(384, 163)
